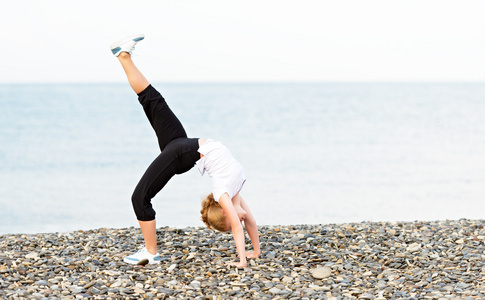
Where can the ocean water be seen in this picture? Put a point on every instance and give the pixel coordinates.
(71, 154)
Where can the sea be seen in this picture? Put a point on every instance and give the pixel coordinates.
(313, 153)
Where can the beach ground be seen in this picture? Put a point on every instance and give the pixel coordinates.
(369, 260)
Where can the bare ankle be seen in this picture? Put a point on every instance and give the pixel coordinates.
(124, 55)
(152, 251)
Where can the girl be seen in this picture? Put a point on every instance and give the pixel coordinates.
(224, 209)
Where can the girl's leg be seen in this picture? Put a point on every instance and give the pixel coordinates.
(166, 125)
(149, 230)
(137, 81)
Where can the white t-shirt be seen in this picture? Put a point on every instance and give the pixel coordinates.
(226, 173)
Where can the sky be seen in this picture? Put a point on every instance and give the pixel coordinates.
(245, 41)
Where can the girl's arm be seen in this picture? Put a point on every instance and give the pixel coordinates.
(236, 228)
(252, 229)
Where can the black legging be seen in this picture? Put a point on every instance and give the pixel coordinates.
(179, 153)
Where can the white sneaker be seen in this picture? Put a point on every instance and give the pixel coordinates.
(126, 45)
(142, 257)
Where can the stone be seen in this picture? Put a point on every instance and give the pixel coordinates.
(321, 272)
(32, 255)
(274, 290)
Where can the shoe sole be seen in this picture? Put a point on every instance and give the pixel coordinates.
(134, 37)
(141, 262)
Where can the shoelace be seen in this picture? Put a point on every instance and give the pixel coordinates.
(140, 251)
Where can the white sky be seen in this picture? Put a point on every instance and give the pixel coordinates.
(209, 40)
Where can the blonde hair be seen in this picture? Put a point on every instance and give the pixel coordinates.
(212, 214)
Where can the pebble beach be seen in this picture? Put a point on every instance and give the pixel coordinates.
(369, 260)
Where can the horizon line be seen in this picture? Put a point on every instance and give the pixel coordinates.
(257, 82)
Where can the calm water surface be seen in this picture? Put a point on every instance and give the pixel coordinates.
(71, 155)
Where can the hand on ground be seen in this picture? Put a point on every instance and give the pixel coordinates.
(252, 255)
(237, 264)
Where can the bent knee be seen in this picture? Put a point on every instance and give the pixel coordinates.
(142, 206)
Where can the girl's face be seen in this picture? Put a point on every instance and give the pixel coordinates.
(241, 213)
